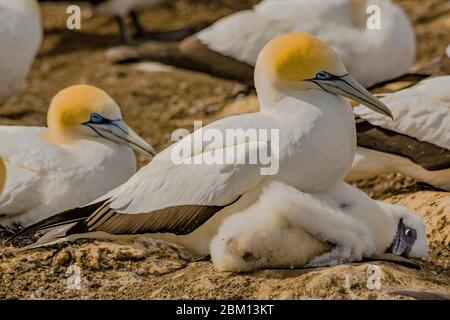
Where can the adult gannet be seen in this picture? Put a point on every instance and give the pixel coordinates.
(120, 9)
(2, 175)
(289, 228)
(416, 143)
(370, 56)
(84, 153)
(230, 47)
(20, 38)
(300, 81)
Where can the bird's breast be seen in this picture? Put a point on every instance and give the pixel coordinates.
(320, 152)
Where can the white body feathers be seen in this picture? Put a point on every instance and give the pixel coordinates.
(422, 112)
(20, 38)
(46, 178)
(371, 56)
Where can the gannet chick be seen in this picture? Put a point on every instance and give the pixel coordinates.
(416, 143)
(85, 152)
(2, 175)
(120, 9)
(300, 83)
(374, 38)
(20, 38)
(287, 228)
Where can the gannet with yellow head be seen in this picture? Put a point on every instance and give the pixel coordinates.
(84, 152)
(300, 83)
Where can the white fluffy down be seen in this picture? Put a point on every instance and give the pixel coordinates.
(289, 228)
(286, 228)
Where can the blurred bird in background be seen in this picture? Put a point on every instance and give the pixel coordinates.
(2, 175)
(20, 38)
(229, 48)
(416, 143)
(121, 10)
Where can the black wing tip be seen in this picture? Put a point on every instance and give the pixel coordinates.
(78, 214)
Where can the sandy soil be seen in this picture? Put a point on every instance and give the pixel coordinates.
(156, 103)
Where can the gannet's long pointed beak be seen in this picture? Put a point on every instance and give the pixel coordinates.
(119, 132)
(348, 87)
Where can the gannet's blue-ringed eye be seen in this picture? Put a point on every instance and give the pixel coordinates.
(322, 75)
(96, 118)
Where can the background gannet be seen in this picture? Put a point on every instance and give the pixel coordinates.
(289, 228)
(299, 80)
(120, 9)
(20, 38)
(2, 174)
(230, 47)
(439, 66)
(416, 143)
(339, 23)
(85, 152)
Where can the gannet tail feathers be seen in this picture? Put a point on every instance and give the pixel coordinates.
(216, 63)
(99, 216)
(429, 156)
(62, 219)
(190, 54)
(52, 237)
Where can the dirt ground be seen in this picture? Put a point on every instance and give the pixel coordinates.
(154, 104)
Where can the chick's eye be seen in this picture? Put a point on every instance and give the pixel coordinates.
(96, 118)
(322, 75)
(409, 233)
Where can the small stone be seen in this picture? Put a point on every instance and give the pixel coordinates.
(39, 293)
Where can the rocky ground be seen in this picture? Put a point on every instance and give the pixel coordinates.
(157, 101)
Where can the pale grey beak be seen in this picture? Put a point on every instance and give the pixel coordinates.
(119, 132)
(348, 87)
